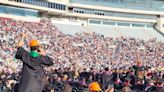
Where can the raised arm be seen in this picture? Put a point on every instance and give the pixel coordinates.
(47, 61)
(21, 41)
(20, 51)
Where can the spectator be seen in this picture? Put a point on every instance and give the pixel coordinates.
(94, 87)
(87, 53)
(67, 88)
(126, 89)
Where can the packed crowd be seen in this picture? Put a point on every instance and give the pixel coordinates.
(83, 58)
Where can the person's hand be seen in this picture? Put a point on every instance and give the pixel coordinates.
(20, 43)
(23, 34)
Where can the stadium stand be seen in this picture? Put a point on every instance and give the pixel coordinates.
(110, 31)
(119, 49)
(70, 28)
(92, 53)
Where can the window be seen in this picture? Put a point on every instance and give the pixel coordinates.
(116, 14)
(149, 25)
(49, 5)
(138, 25)
(130, 1)
(53, 5)
(64, 7)
(123, 24)
(2, 9)
(59, 5)
(108, 23)
(18, 11)
(44, 3)
(14, 11)
(94, 22)
(31, 13)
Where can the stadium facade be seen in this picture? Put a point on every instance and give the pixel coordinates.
(131, 18)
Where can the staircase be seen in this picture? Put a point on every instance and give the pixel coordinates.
(156, 29)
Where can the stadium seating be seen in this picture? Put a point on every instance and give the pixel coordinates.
(114, 32)
(89, 51)
(70, 29)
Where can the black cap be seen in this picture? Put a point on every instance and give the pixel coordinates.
(106, 69)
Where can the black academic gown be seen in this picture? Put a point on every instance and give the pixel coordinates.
(106, 80)
(32, 72)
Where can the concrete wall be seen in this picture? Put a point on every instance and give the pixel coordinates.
(110, 17)
(160, 24)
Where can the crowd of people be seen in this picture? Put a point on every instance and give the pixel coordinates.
(121, 64)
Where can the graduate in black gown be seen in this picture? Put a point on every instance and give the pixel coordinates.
(33, 63)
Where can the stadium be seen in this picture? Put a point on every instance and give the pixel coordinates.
(86, 45)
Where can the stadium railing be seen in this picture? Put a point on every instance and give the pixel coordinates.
(43, 4)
